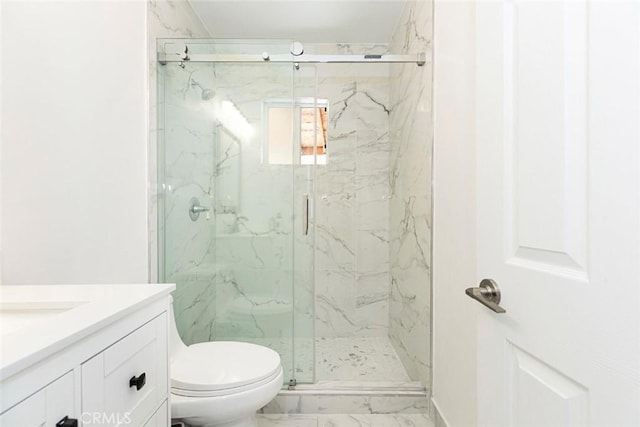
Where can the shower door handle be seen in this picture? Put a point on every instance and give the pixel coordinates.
(488, 294)
(305, 214)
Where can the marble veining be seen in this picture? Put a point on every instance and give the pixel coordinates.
(352, 225)
(165, 19)
(348, 403)
(345, 420)
(244, 269)
(410, 201)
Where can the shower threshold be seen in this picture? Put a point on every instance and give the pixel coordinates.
(352, 397)
(378, 388)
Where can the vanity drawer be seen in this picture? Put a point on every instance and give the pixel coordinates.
(127, 382)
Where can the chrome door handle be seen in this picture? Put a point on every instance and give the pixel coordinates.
(488, 293)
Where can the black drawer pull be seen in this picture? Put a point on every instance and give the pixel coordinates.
(67, 422)
(138, 381)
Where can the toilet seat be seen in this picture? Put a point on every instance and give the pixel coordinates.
(222, 367)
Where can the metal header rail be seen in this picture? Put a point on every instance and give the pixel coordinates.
(419, 59)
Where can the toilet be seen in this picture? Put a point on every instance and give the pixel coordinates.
(221, 383)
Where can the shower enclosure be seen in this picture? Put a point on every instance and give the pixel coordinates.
(274, 221)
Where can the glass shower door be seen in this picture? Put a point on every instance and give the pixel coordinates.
(254, 222)
(230, 159)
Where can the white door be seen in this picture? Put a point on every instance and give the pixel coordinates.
(558, 161)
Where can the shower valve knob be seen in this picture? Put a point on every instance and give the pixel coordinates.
(195, 209)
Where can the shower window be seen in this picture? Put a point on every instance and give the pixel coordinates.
(295, 132)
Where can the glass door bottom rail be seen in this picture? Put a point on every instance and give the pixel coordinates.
(331, 387)
(363, 397)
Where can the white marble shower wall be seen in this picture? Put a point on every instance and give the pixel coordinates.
(410, 203)
(245, 270)
(179, 126)
(165, 19)
(189, 154)
(352, 222)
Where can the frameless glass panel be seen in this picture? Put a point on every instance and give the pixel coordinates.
(243, 266)
(254, 242)
(186, 155)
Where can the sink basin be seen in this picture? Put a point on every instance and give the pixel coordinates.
(17, 315)
(37, 321)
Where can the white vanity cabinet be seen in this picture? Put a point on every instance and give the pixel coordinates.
(127, 381)
(46, 407)
(112, 372)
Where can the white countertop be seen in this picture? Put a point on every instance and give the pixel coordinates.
(38, 320)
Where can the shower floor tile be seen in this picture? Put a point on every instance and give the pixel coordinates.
(365, 359)
(341, 359)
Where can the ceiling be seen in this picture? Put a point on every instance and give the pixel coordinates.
(311, 21)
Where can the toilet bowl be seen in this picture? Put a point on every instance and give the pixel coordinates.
(221, 383)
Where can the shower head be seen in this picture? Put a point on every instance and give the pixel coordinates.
(207, 94)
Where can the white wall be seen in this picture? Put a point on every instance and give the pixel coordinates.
(454, 356)
(74, 114)
(1, 31)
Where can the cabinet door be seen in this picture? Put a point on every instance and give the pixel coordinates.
(160, 418)
(44, 408)
(125, 384)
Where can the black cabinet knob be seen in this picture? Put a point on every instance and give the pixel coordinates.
(67, 422)
(139, 381)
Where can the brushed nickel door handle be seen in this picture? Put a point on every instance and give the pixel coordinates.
(488, 294)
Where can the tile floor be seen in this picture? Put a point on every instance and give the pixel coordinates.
(345, 420)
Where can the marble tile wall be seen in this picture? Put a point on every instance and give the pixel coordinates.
(188, 151)
(165, 18)
(410, 203)
(352, 223)
(371, 211)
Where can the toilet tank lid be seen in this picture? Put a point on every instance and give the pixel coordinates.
(221, 365)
